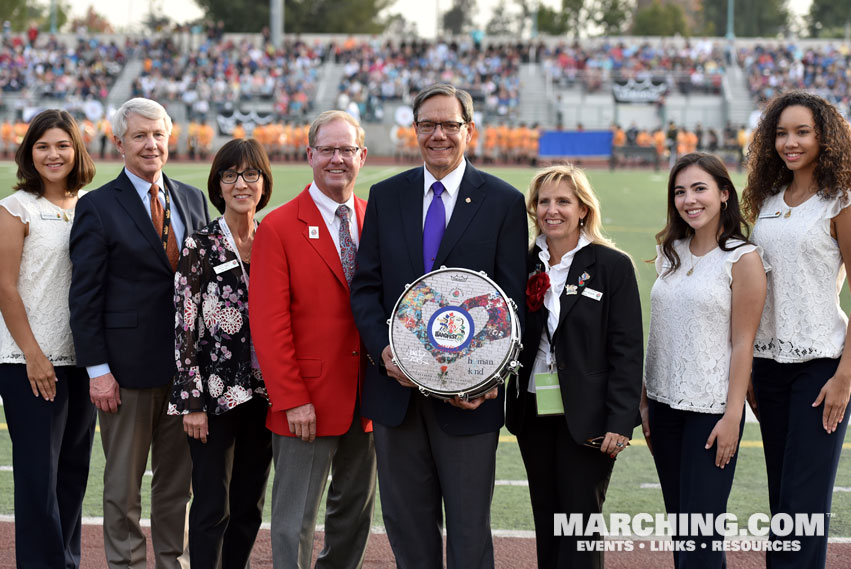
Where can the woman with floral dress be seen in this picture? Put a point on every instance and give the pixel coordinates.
(219, 389)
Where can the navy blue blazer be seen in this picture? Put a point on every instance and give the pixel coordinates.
(122, 285)
(599, 348)
(488, 231)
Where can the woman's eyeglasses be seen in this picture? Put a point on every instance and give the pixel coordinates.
(230, 176)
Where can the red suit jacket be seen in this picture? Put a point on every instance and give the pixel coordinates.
(301, 321)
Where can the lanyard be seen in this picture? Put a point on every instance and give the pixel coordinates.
(166, 220)
(226, 231)
(551, 356)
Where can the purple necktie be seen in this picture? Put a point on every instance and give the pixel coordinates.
(347, 246)
(435, 224)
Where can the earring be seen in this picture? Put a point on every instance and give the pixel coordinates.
(582, 222)
(724, 203)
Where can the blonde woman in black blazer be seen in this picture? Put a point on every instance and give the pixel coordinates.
(583, 324)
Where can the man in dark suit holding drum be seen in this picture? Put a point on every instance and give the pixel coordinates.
(435, 454)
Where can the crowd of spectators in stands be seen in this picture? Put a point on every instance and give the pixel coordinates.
(222, 72)
(820, 69)
(375, 72)
(694, 67)
(47, 67)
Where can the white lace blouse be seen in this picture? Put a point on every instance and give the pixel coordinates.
(689, 345)
(44, 280)
(802, 319)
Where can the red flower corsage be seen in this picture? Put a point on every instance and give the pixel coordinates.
(536, 287)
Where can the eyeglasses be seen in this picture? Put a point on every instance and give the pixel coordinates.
(329, 151)
(448, 127)
(230, 176)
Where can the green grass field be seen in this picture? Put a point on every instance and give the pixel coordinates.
(633, 205)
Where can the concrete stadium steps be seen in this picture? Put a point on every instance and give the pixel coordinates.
(330, 75)
(739, 97)
(123, 86)
(536, 99)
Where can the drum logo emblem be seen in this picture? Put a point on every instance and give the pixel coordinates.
(450, 329)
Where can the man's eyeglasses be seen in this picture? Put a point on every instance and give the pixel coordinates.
(448, 127)
(250, 176)
(329, 151)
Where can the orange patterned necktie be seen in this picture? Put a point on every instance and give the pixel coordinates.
(157, 216)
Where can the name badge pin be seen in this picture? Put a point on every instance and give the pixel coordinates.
(313, 232)
(226, 266)
(592, 294)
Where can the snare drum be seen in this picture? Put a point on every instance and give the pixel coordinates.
(455, 332)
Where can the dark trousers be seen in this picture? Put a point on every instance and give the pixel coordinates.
(691, 483)
(421, 471)
(564, 478)
(51, 448)
(801, 458)
(229, 474)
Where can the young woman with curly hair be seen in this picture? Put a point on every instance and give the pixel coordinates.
(797, 195)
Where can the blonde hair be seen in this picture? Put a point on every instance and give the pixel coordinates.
(576, 179)
(331, 116)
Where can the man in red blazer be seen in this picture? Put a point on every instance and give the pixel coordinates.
(312, 357)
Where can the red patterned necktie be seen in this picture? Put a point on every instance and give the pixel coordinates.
(348, 250)
(157, 216)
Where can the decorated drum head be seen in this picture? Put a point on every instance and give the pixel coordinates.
(452, 331)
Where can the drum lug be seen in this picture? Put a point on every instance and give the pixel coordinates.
(389, 320)
(424, 391)
(514, 306)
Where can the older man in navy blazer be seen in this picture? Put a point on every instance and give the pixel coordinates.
(124, 248)
(433, 454)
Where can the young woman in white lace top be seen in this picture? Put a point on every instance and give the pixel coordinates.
(705, 309)
(46, 398)
(797, 195)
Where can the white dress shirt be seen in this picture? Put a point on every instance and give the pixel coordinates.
(328, 211)
(451, 182)
(552, 301)
(143, 188)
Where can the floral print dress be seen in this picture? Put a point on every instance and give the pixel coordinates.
(212, 337)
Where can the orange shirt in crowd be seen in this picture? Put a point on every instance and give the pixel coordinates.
(206, 135)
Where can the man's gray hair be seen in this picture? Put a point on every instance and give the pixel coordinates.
(142, 107)
(447, 90)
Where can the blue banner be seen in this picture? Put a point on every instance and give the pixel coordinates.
(559, 144)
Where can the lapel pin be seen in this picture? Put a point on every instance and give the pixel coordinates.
(313, 232)
(570, 289)
(583, 277)
(468, 200)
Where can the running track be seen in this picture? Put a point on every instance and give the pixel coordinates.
(511, 553)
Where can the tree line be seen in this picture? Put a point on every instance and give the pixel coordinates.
(571, 18)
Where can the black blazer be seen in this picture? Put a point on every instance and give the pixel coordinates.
(122, 285)
(599, 348)
(487, 232)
